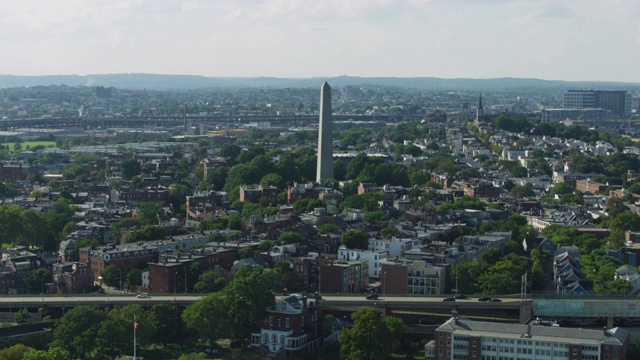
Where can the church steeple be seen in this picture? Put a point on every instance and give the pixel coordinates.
(480, 110)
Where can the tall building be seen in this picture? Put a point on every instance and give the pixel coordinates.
(461, 338)
(618, 102)
(325, 140)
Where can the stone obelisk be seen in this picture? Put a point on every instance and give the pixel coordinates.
(325, 140)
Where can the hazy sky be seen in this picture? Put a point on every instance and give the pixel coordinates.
(547, 39)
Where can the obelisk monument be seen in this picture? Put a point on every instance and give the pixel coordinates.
(325, 140)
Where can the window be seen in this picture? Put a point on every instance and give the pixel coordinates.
(575, 351)
(265, 338)
(473, 344)
(270, 320)
(279, 322)
(287, 323)
(274, 339)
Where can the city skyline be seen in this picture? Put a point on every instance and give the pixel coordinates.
(554, 40)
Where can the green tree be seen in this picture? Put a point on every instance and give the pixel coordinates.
(247, 297)
(14, 352)
(134, 278)
(53, 353)
(114, 335)
(130, 168)
(60, 214)
(273, 179)
(77, 330)
(327, 229)
(355, 239)
(193, 356)
(503, 277)
(368, 339)
(208, 317)
(374, 216)
(22, 316)
(111, 276)
(36, 279)
(230, 151)
(520, 191)
(149, 212)
(210, 281)
(290, 237)
(164, 321)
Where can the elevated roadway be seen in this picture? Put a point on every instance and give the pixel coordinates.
(175, 121)
(509, 308)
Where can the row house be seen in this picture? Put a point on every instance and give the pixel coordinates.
(253, 193)
(168, 274)
(587, 185)
(388, 193)
(72, 278)
(571, 178)
(567, 275)
(159, 194)
(270, 225)
(15, 264)
(480, 189)
(301, 191)
(307, 270)
(413, 277)
(204, 204)
(344, 277)
(124, 257)
(373, 257)
(395, 247)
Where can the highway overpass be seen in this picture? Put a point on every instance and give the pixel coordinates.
(509, 309)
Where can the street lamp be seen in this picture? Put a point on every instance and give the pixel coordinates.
(120, 278)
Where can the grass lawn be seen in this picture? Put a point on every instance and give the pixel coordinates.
(31, 144)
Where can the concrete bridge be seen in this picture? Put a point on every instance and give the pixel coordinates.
(508, 309)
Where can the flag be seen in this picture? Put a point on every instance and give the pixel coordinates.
(135, 324)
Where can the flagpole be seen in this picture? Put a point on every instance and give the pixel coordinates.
(135, 326)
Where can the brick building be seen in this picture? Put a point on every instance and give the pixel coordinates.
(12, 171)
(291, 327)
(344, 277)
(254, 193)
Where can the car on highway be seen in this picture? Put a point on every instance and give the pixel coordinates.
(484, 298)
(494, 300)
(460, 296)
(449, 299)
(143, 296)
(372, 296)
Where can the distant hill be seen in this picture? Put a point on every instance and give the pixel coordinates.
(165, 82)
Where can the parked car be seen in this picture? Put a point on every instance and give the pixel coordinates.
(484, 298)
(460, 296)
(494, 300)
(372, 296)
(449, 299)
(143, 296)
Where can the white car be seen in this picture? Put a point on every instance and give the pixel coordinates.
(143, 296)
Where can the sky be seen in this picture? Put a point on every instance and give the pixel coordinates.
(591, 40)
